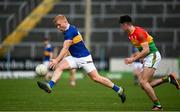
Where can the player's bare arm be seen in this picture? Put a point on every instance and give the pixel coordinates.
(135, 54)
(67, 54)
(143, 53)
(62, 54)
(139, 55)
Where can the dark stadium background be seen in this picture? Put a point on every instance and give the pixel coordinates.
(161, 18)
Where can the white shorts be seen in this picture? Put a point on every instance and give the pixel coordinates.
(152, 60)
(85, 62)
(137, 66)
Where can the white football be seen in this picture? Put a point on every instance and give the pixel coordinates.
(41, 69)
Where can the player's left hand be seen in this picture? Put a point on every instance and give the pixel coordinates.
(129, 60)
(53, 63)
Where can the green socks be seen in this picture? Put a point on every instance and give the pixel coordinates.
(157, 103)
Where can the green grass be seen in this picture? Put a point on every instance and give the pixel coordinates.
(24, 95)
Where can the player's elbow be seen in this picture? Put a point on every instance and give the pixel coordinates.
(146, 51)
(65, 48)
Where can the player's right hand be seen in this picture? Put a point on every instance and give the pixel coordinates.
(53, 63)
(129, 60)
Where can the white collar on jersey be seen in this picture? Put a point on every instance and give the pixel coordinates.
(67, 27)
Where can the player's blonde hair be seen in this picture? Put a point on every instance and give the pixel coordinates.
(59, 17)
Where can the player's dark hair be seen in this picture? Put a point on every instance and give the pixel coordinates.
(125, 19)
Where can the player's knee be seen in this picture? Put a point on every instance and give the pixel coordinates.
(60, 68)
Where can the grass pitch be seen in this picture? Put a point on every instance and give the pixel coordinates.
(24, 95)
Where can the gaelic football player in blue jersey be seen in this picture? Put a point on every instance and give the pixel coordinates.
(80, 58)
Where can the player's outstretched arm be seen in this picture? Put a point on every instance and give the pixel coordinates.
(64, 51)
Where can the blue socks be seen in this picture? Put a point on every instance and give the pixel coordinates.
(116, 88)
(51, 83)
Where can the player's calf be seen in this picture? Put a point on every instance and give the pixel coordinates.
(108, 83)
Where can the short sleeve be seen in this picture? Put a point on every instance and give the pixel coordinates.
(142, 36)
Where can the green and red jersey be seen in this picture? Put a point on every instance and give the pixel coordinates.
(138, 36)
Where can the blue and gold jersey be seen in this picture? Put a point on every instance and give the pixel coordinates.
(47, 50)
(78, 48)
